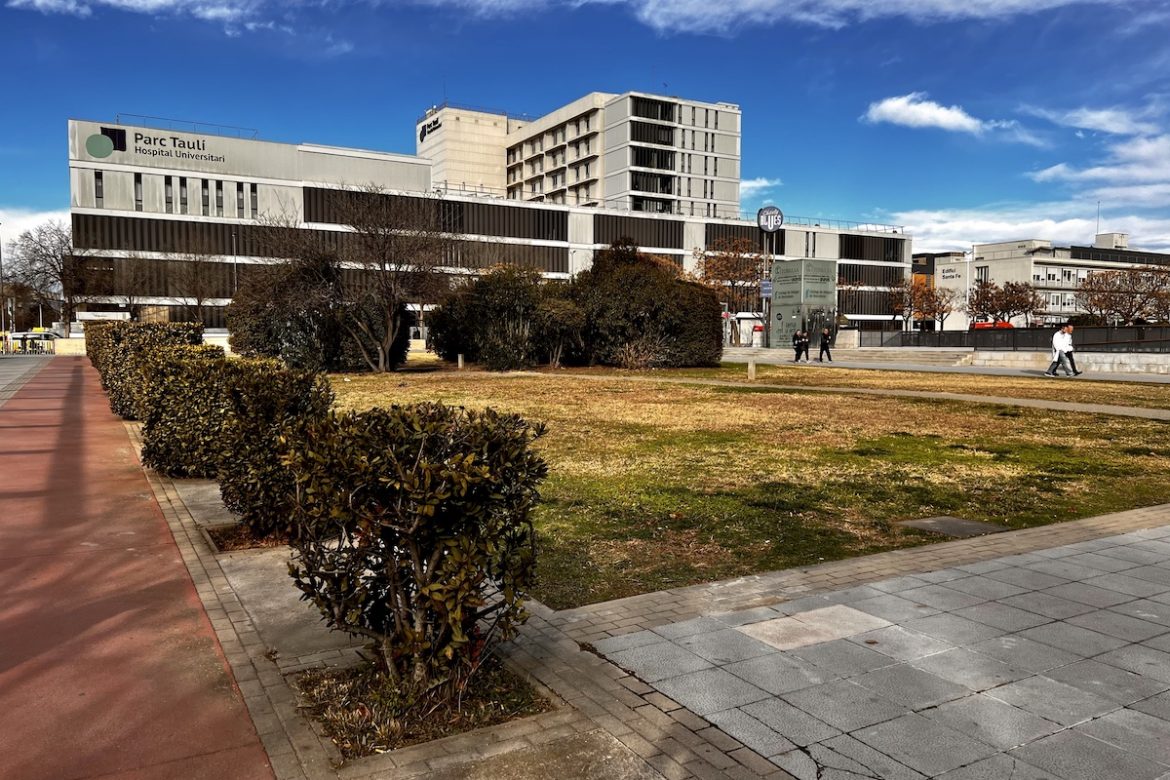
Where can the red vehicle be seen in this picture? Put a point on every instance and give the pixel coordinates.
(986, 325)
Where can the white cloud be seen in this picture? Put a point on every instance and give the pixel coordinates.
(666, 16)
(915, 110)
(751, 188)
(14, 221)
(1130, 161)
(1114, 120)
(1063, 222)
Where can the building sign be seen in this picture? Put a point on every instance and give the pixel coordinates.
(949, 274)
(429, 128)
(769, 218)
(149, 144)
(804, 297)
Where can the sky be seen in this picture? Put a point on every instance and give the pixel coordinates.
(965, 121)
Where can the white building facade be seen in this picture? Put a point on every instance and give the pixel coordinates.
(628, 152)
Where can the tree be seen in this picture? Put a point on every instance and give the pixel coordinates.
(938, 303)
(1019, 299)
(197, 276)
(733, 268)
(401, 245)
(47, 262)
(1125, 295)
(131, 282)
(904, 299)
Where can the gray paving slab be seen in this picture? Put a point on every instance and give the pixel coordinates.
(1015, 650)
(842, 657)
(894, 608)
(780, 673)
(1140, 659)
(1158, 706)
(1131, 586)
(1101, 560)
(973, 670)
(911, 687)
(992, 721)
(1002, 616)
(1088, 594)
(941, 597)
(1135, 553)
(1074, 639)
(1047, 604)
(710, 690)
(593, 755)
(1053, 700)
(1159, 643)
(1071, 755)
(897, 584)
(659, 661)
(1132, 731)
(985, 587)
(1119, 626)
(1158, 574)
(846, 705)
(794, 724)
(1062, 568)
(727, 646)
(1001, 767)
(877, 764)
(923, 744)
(1108, 682)
(688, 627)
(751, 732)
(627, 642)
(744, 617)
(954, 629)
(901, 644)
(1026, 578)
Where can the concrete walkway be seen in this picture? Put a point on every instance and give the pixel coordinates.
(109, 666)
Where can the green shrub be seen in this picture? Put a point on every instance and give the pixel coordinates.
(640, 314)
(182, 432)
(448, 330)
(414, 532)
(119, 350)
(263, 398)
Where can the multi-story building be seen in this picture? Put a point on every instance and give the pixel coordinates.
(183, 200)
(1056, 272)
(634, 152)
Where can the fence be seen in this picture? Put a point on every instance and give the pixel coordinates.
(1150, 338)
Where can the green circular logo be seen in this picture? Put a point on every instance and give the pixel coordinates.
(99, 145)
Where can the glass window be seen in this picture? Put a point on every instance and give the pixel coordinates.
(138, 192)
(168, 194)
(240, 199)
(99, 189)
(182, 194)
(206, 197)
(218, 198)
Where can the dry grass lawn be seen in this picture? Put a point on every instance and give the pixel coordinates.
(654, 486)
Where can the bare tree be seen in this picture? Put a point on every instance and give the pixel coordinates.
(938, 303)
(1019, 299)
(1125, 295)
(401, 246)
(733, 268)
(131, 282)
(984, 301)
(198, 275)
(46, 261)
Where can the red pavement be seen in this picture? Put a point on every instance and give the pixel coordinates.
(108, 664)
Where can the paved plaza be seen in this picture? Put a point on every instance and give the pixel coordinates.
(140, 651)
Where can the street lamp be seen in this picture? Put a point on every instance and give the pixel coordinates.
(3, 300)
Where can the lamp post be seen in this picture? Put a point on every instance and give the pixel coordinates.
(235, 266)
(3, 299)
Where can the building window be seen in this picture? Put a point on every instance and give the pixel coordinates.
(706, 117)
(169, 194)
(99, 189)
(218, 198)
(206, 198)
(138, 192)
(715, 166)
(240, 199)
(255, 202)
(716, 120)
(982, 273)
(182, 194)
(693, 111)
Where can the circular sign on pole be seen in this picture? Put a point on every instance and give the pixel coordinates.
(769, 218)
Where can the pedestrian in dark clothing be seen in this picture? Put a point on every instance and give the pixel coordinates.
(796, 347)
(826, 342)
(804, 342)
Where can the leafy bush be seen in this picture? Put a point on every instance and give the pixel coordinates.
(119, 350)
(448, 327)
(640, 314)
(502, 317)
(182, 432)
(262, 399)
(414, 532)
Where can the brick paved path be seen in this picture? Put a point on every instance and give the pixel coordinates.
(108, 664)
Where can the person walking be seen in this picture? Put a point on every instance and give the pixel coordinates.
(826, 342)
(1068, 353)
(804, 342)
(796, 346)
(1061, 346)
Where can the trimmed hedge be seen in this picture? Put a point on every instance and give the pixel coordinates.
(182, 431)
(119, 351)
(415, 533)
(263, 399)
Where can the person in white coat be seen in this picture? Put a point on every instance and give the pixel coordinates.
(1061, 348)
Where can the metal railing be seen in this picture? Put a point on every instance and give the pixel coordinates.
(1148, 338)
(188, 126)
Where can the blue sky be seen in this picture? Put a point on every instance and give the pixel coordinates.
(964, 120)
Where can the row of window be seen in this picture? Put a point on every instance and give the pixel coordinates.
(556, 136)
(177, 196)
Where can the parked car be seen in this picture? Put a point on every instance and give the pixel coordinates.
(986, 325)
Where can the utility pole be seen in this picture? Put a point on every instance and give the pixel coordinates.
(3, 299)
